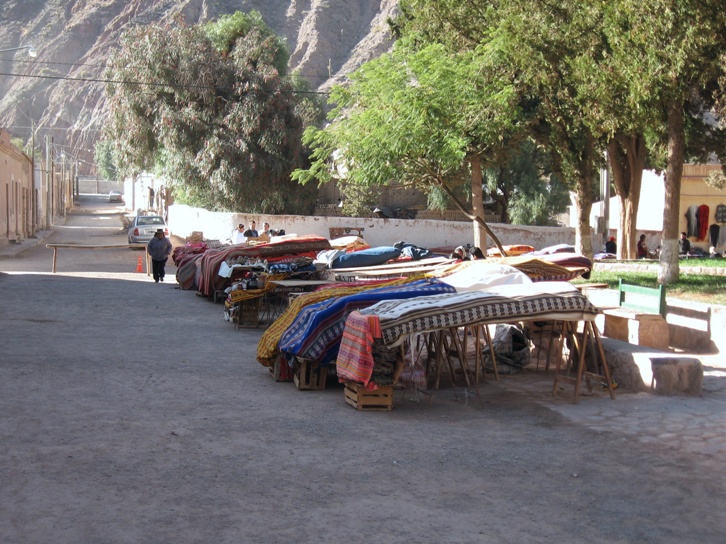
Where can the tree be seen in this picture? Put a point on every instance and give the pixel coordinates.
(105, 160)
(525, 190)
(425, 118)
(674, 48)
(534, 42)
(211, 108)
(635, 77)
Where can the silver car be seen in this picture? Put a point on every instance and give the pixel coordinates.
(143, 227)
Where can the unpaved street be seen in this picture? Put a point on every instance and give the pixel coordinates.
(131, 412)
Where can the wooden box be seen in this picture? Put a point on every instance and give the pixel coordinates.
(248, 312)
(361, 399)
(309, 375)
(281, 371)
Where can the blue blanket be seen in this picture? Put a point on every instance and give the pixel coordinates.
(317, 330)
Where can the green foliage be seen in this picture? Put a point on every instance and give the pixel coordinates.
(106, 160)
(20, 144)
(215, 116)
(412, 117)
(225, 31)
(524, 188)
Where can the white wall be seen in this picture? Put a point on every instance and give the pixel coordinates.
(183, 220)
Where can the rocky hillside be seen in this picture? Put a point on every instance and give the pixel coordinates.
(60, 91)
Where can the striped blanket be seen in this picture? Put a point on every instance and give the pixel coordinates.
(317, 330)
(268, 346)
(400, 318)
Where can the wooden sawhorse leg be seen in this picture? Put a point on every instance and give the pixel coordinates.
(578, 351)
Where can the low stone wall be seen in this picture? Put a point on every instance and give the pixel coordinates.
(377, 232)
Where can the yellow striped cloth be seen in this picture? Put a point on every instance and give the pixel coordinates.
(267, 347)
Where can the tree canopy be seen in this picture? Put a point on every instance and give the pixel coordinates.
(211, 109)
(426, 118)
(636, 78)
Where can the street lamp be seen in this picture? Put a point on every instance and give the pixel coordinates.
(32, 51)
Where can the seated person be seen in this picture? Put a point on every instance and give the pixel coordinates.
(611, 246)
(459, 253)
(251, 232)
(684, 245)
(642, 248)
(238, 236)
(476, 254)
(266, 230)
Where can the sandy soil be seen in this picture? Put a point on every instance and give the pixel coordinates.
(132, 412)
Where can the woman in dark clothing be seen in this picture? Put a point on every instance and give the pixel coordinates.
(642, 248)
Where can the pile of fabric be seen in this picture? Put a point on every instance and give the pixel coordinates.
(201, 270)
(317, 330)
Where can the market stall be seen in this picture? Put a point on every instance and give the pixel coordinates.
(395, 321)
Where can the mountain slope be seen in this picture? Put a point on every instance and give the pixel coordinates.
(61, 93)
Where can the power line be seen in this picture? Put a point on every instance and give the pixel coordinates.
(95, 65)
(42, 128)
(140, 83)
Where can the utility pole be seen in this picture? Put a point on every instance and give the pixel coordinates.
(51, 162)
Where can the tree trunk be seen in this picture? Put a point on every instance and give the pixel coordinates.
(627, 154)
(669, 270)
(583, 199)
(477, 219)
(477, 203)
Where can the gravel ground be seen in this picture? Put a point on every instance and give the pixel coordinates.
(132, 412)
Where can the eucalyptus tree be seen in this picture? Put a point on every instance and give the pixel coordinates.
(424, 117)
(211, 108)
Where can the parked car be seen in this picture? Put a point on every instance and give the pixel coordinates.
(143, 227)
(115, 196)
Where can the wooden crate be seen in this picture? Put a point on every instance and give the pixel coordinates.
(248, 312)
(361, 399)
(309, 375)
(281, 371)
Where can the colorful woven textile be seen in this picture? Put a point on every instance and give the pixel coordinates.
(186, 272)
(317, 330)
(355, 358)
(268, 346)
(245, 294)
(211, 260)
(401, 318)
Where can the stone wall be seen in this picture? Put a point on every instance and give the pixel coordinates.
(376, 232)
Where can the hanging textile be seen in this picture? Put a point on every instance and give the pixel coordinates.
(703, 212)
(713, 232)
(722, 235)
(721, 213)
(692, 221)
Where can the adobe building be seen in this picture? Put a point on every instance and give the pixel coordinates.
(17, 194)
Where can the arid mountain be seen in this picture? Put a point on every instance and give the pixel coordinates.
(60, 91)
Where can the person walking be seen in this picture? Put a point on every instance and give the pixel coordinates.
(159, 248)
(151, 197)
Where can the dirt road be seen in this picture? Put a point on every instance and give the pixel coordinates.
(131, 412)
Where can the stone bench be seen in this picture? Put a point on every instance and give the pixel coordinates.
(635, 327)
(640, 368)
(640, 316)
